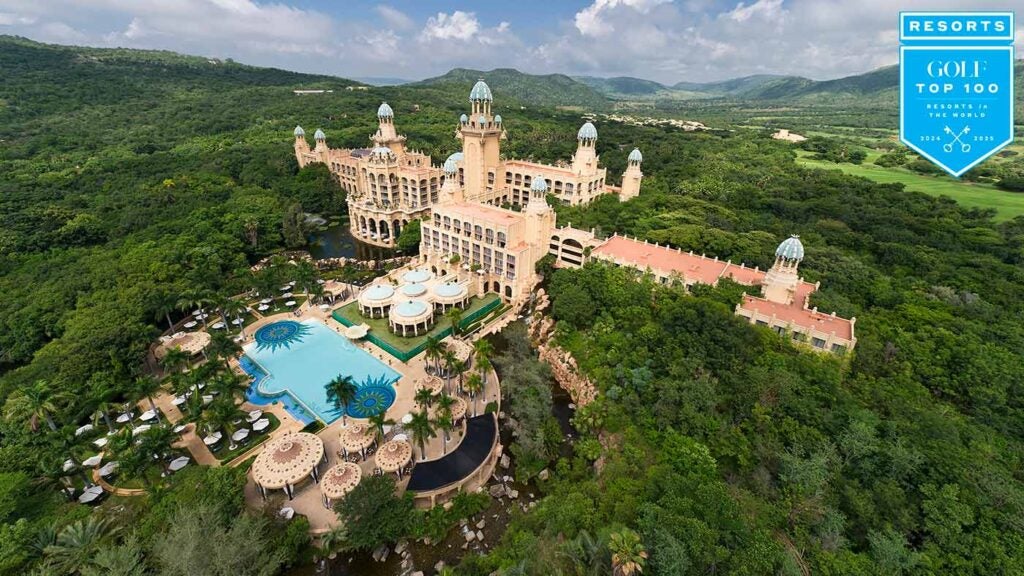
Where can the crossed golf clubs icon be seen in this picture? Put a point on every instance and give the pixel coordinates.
(964, 147)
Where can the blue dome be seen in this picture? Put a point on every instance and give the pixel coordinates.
(539, 184)
(382, 152)
(319, 134)
(790, 249)
(635, 156)
(385, 111)
(451, 165)
(587, 132)
(463, 118)
(480, 92)
(497, 119)
(481, 120)
(299, 132)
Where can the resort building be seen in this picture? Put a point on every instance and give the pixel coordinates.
(485, 222)
(388, 185)
(782, 306)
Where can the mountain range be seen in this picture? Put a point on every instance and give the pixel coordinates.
(877, 86)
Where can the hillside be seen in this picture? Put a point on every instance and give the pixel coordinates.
(526, 89)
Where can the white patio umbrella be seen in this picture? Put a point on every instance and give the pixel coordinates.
(407, 419)
(180, 428)
(266, 301)
(147, 415)
(100, 442)
(218, 325)
(212, 439)
(124, 417)
(179, 463)
(261, 424)
(255, 415)
(69, 465)
(83, 429)
(240, 434)
(290, 303)
(108, 469)
(263, 307)
(237, 321)
(90, 494)
(92, 461)
(140, 429)
(190, 324)
(179, 400)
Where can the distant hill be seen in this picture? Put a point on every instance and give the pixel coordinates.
(382, 81)
(732, 87)
(527, 89)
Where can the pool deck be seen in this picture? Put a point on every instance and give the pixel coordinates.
(307, 499)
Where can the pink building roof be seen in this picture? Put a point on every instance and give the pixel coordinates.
(538, 167)
(477, 211)
(690, 267)
(796, 314)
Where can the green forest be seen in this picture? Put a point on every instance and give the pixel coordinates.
(134, 184)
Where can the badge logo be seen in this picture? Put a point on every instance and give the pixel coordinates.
(956, 86)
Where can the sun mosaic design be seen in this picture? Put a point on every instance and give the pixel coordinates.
(371, 400)
(280, 334)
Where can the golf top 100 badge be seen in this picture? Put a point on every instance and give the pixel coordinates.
(956, 85)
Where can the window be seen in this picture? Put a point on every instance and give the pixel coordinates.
(817, 342)
(839, 348)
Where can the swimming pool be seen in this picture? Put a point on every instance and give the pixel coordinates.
(295, 360)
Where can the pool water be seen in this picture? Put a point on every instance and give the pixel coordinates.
(295, 369)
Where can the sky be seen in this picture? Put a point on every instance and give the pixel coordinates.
(664, 40)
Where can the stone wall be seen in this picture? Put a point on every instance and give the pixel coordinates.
(563, 365)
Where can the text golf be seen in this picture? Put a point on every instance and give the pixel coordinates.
(958, 69)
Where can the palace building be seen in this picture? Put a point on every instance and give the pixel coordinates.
(473, 242)
(388, 185)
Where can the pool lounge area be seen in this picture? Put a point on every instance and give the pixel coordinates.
(291, 362)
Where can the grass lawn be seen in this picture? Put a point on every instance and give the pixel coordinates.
(379, 326)
(224, 455)
(1006, 204)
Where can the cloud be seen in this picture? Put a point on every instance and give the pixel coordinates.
(11, 19)
(394, 18)
(766, 9)
(592, 20)
(458, 25)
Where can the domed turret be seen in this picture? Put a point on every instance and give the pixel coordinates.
(299, 132)
(635, 156)
(385, 111)
(382, 153)
(791, 249)
(481, 120)
(539, 185)
(319, 135)
(481, 92)
(463, 119)
(451, 165)
(497, 119)
(587, 132)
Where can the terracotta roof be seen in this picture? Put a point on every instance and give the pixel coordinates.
(691, 267)
(537, 165)
(478, 211)
(743, 274)
(797, 315)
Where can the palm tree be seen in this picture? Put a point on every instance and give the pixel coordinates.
(158, 442)
(146, 387)
(449, 361)
(222, 346)
(628, 553)
(482, 350)
(422, 430)
(455, 316)
(228, 384)
(166, 304)
(103, 408)
(306, 275)
(222, 414)
(193, 299)
(77, 543)
(586, 554)
(174, 359)
(424, 398)
(459, 367)
(379, 421)
(341, 392)
(235, 309)
(445, 423)
(434, 350)
(474, 385)
(32, 404)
